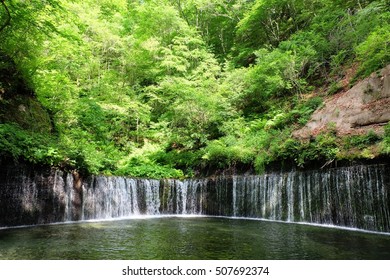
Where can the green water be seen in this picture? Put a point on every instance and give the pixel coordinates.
(190, 238)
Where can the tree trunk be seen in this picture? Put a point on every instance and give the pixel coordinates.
(8, 20)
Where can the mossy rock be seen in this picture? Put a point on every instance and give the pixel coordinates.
(18, 103)
(27, 112)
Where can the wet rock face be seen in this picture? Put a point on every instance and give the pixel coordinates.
(364, 107)
(31, 196)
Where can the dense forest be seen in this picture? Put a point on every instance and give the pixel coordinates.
(178, 88)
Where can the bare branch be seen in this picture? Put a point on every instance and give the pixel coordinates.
(8, 20)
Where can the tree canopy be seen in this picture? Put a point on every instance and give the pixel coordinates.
(176, 87)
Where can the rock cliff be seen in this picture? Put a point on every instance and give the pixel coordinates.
(364, 107)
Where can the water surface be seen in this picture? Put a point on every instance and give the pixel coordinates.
(190, 238)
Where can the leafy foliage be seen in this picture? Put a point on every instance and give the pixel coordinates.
(386, 142)
(17, 143)
(170, 88)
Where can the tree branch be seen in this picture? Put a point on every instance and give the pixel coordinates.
(8, 20)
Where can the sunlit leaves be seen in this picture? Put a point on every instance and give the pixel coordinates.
(145, 88)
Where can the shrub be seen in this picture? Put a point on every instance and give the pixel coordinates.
(374, 52)
(362, 141)
(386, 140)
(33, 147)
(150, 170)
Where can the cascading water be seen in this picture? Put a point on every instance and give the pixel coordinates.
(355, 196)
(352, 197)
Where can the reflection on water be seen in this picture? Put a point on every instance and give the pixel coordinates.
(190, 238)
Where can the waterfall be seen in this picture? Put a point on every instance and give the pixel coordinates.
(351, 197)
(356, 196)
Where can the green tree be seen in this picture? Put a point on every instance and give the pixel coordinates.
(215, 20)
(268, 23)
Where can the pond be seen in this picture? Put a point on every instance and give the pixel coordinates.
(191, 237)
